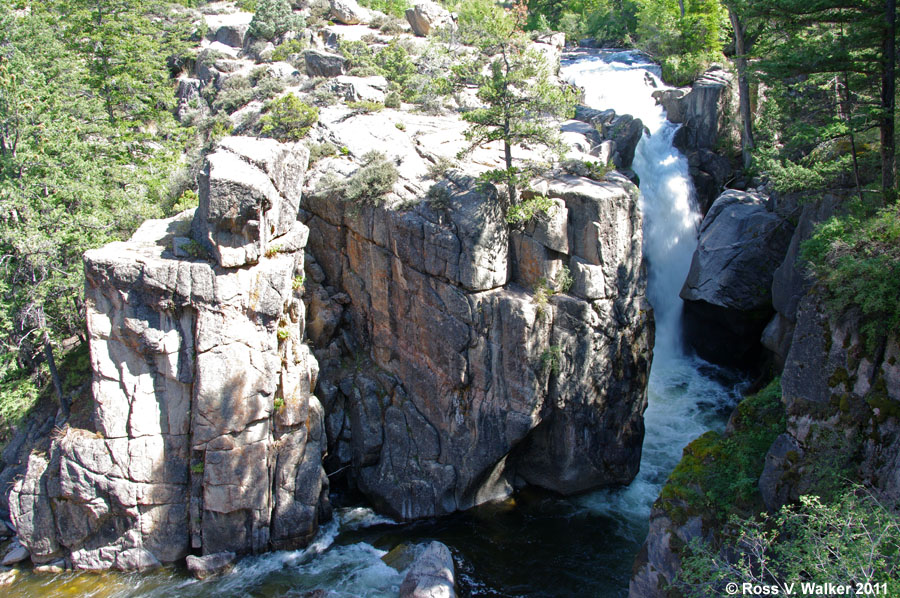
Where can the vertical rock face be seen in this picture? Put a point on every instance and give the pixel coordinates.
(462, 381)
(727, 294)
(708, 115)
(207, 435)
(842, 398)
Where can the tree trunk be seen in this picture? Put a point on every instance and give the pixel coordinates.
(888, 101)
(54, 376)
(510, 185)
(681, 6)
(740, 51)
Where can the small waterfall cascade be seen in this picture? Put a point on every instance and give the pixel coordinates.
(687, 395)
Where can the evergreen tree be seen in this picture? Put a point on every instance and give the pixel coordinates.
(518, 95)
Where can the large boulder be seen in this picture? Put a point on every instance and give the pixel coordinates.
(727, 294)
(324, 64)
(431, 574)
(200, 379)
(348, 12)
(427, 16)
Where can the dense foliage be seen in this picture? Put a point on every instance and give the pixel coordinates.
(853, 541)
(856, 259)
(87, 144)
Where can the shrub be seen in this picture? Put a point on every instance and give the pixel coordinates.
(317, 151)
(856, 259)
(288, 118)
(373, 181)
(366, 106)
(564, 280)
(527, 209)
(236, 92)
(284, 50)
(273, 18)
(397, 8)
(551, 358)
(854, 540)
(392, 100)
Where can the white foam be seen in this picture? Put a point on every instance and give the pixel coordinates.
(683, 402)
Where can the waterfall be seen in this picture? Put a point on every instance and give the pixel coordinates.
(687, 395)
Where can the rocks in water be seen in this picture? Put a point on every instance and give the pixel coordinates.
(16, 553)
(622, 131)
(728, 297)
(207, 435)
(431, 574)
(324, 64)
(202, 567)
(348, 12)
(427, 16)
(707, 114)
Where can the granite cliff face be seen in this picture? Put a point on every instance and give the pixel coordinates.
(450, 375)
(206, 433)
(462, 357)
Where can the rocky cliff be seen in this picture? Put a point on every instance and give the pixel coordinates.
(462, 356)
(455, 364)
(206, 434)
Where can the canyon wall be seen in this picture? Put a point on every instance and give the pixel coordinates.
(206, 435)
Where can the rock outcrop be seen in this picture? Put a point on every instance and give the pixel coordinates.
(426, 16)
(620, 133)
(727, 294)
(446, 379)
(790, 282)
(206, 433)
(707, 114)
(842, 398)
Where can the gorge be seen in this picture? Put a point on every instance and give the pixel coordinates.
(376, 341)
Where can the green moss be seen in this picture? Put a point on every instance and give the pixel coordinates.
(840, 376)
(878, 399)
(718, 474)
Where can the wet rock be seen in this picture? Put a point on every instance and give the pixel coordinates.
(52, 568)
(15, 554)
(202, 567)
(426, 16)
(431, 574)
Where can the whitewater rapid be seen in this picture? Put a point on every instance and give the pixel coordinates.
(687, 396)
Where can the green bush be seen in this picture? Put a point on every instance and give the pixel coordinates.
(527, 209)
(395, 8)
(856, 259)
(284, 50)
(236, 92)
(373, 181)
(273, 18)
(288, 118)
(853, 540)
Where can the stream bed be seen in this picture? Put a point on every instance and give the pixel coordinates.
(536, 545)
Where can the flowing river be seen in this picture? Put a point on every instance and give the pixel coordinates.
(536, 545)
